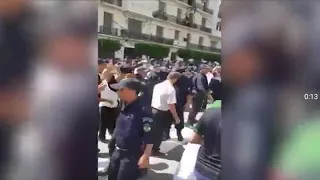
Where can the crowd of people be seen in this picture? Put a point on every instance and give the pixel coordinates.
(140, 100)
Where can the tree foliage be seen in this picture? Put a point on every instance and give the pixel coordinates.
(152, 50)
(187, 54)
(107, 47)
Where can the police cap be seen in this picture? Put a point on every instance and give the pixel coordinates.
(130, 83)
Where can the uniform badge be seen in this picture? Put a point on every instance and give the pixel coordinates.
(146, 128)
(147, 119)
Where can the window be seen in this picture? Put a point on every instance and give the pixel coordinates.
(218, 26)
(107, 19)
(200, 41)
(179, 13)
(203, 22)
(162, 6)
(134, 25)
(188, 37)
(119, 3)
(213, 44)
(176, 35)
(159, 32)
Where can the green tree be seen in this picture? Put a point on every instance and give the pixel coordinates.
(152, 50)
(185, 54)
(198, 55)
(107, 47)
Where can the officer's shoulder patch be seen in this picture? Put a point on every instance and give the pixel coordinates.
(146, 128)
(147, 119)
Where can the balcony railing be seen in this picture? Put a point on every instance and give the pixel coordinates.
(205, 29)
(201, 47)
(108, 30)
(160, 15)
(164, 16)
(114, 2)
(146, 37)
(208, 10)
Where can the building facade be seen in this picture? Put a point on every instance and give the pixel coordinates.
(191, 24)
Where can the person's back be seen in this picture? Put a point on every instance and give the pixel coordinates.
(208, 162)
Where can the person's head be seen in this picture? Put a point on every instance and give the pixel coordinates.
(173, 77)
(125, 69)
(204, 69)
(127, 89)
(156, 68)
(141, 71)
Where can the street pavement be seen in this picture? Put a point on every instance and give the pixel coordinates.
(161, 168)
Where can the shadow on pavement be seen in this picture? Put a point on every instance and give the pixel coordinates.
(175, 154)
(157, 176)
(159, 166)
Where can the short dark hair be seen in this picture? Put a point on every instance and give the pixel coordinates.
(174, 75)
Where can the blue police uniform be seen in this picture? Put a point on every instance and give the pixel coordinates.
(133, 131)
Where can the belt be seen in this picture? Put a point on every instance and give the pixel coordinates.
(120, 149)
(155, 109)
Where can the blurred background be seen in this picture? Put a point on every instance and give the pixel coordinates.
(48, 112)
(270, 72)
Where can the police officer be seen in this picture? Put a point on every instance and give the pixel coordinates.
(133, 134)
(141, 74)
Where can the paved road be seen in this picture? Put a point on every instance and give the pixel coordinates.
(161, 168)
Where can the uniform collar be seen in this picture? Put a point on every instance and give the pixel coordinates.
(132, 104)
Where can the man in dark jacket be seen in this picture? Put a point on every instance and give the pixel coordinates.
(201, 89)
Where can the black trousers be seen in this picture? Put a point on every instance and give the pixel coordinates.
(179, 126)
(124, 166)
(204, 103)
(161, 120)
(197, 103)
(108, 117)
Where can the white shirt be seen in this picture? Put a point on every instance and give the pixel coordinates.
(163, 95)
(209, 77)
(107, 93)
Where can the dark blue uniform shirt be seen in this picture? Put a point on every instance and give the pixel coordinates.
(134, 127)
(183, 88)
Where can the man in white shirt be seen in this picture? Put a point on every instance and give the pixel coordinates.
(163, 103)
(108, 105)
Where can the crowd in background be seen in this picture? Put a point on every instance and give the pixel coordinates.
(168, 89)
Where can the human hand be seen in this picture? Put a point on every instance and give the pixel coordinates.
(101, 87)
(177, 120)
(143, 162)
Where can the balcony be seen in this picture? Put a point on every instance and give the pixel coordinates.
(183, 22)
(113, 2)
(208, 10)
(160, 15)
(205, 29)
(204, 48)
(108, 30)
(146, 37)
